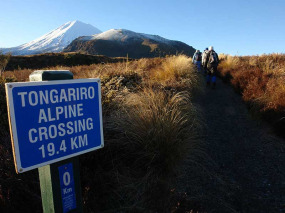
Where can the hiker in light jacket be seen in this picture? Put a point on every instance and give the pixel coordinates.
(197, 58)
(211, 61)
(204, 65)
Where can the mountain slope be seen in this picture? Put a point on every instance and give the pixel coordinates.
(56, 40)
(119, 43)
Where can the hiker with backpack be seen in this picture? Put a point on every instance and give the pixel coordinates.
(211, 61)
(197, 58)
(204, 65)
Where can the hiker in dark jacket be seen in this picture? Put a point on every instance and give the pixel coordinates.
(211, 61)
(197, 58)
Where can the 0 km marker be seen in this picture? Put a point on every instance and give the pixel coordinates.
(54, 120)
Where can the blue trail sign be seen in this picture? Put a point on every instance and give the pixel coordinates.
(67, 187)
(54, 120)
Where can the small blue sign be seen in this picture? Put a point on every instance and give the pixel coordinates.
(67, 188)
(54, 120)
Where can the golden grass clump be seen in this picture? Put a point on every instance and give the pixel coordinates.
(228, 62)
(160, 121)
(158, 118)
(176, 70)
(159, 130)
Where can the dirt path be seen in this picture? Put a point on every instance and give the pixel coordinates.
(248, 171)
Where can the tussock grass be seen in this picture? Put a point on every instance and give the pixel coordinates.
(157, 120)
(158, 127)
(177, 70)
(228, 62)
(150, 129)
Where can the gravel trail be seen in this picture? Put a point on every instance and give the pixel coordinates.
(247, 173)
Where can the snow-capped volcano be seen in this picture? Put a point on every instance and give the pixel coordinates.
(123, 35)
(56, 40)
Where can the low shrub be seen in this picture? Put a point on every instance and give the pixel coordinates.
(260, 80)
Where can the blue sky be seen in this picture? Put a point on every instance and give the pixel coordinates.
(235, 27)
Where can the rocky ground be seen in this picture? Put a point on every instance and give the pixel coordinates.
(247, 173)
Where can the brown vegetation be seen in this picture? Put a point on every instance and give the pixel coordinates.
(260, 80)
(150, 128)
(4, 59)
(48, 60)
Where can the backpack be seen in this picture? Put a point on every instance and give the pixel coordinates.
(213, 59)
(198, 57)
(204, 55)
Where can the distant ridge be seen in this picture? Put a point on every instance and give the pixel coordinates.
(120, 42)
(56, 40)
(42, 61)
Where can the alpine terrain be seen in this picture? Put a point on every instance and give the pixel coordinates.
(120, 42)
(54, 41)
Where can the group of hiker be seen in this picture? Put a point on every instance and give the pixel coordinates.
(208, 62)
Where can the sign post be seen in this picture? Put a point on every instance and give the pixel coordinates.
(53, 119)
(56, 196)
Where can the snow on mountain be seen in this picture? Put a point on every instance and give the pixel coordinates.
(56, 40)
(123, 35)
(122, 42)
